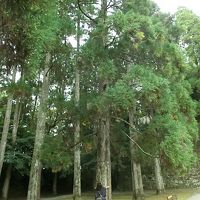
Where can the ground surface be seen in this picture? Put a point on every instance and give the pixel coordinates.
(195, 197)
(182, 194)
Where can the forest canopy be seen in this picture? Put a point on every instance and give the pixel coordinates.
(91, 89)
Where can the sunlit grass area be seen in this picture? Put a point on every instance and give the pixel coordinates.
(182, 194)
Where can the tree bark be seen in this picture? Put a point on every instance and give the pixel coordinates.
(6, 125)
(16, 120)
(34, 180)
(158, 175)
(108, 159)
(103, 173)
(14, 136)
(55, 178)
(39, 181)
(6, 182)
(141, 189)
(137, 185)
(77, 150)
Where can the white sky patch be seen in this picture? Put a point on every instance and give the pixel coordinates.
(72, 41)
(18, 76)
(172, 5)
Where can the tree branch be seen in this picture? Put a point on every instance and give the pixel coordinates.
(84, 13)
(123, 120)
(80, 141)
(132, 140)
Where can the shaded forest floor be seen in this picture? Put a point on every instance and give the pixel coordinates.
(182, 194)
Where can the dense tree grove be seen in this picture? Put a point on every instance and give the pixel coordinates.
(96, 90)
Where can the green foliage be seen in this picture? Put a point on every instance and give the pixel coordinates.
(137, 60)
(120, 96)
(144, 78)
(189, 25)
(43, 27)
(107, 70)
(144, 7)
(20, 154)
(55, 154)
(178, 145)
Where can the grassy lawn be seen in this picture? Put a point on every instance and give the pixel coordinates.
(182, 194)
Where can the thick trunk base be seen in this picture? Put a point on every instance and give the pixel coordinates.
(159, 179)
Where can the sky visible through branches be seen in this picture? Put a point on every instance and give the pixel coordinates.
(172, 5)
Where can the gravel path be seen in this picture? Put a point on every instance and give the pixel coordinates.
(195, 197)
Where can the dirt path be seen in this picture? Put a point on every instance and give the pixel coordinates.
(195, 197)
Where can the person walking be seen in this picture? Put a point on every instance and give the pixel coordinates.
(100, 193)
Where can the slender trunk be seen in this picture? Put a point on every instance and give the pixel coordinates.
(16, 120)
(55, 178)
(108, 159)
(6, 125)
(14, 136)
(95, 140)
(141, 189)
(137, 185)
(158, 175)
(77, 150)
(39, 181)
(34, 180)
(34, 107)
(77, 165)
(6, 182)
(103, 173)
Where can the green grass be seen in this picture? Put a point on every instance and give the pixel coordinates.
(182, 194)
